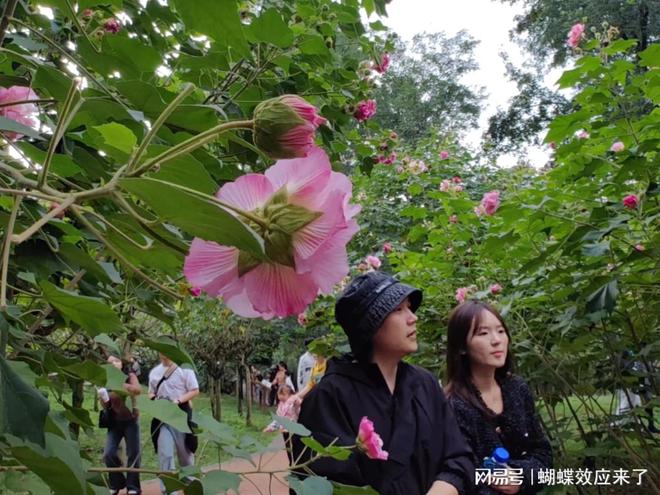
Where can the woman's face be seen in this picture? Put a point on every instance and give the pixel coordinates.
(115, 361)
(398, 333)
(487, 343)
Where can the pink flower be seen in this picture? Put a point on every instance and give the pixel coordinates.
(495, 289)
(365, 110)
(458, 188)
(631, 201)
(575, 35)
(417, 167)
(112, 26)
(87, 13)
(390, 159)
(302, 319)
(285, 126)
(640, 247)
(456, 180)
(399, 169)
(490, 202)
(453, 219)
(21, 112)
(617, 146)
(444, 154)
(387, 248)
(384, 64)
(373, 261)
(195, 291)
(445, 185)
(461, 294)
(583, 134)
(313, 201)
(369, 441)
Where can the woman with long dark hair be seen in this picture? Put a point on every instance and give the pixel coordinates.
(494, 407)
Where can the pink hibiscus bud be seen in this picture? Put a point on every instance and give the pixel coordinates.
(617, 146)
(444, 154)
(304, 215)
(631, 201)
(490, 202)
(365, 110)
(453, 219)
(302, 319)
(390, 159)
(369, 441)
(387, 248)
(112, 26)
(583, 134)
(87, 14)
(495, 289)
(195, 291)
(640, 247)
(456, 180)
(461, 294)
(21, 112)
(575, 35)
(380, 159)
(373, 261)
(285, 126)
(445, 185)
(384, 64)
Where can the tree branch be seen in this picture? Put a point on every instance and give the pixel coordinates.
(6, 248)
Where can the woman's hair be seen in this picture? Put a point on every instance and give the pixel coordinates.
(283, 365)
(462, 320)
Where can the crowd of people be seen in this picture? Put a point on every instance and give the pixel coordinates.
(431, 439)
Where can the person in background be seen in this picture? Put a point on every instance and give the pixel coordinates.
(305, 365)
(317, 372)
(494, 407)
(124, 424)
(167, 381)
(424, 449)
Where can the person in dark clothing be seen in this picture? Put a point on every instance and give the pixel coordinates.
(494, 407)
(426, 451)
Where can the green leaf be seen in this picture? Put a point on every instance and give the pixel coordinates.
(220, 482)
(116, 136)
(171, 349)
(651, 56)
(58, 464)
(13, 126)
(339, 453)
(291, 426)
(199, 215)
(217, 19)
(23, 409)
(604, 298)
(313, 485)
(341, 489)
(105, 340)
(164, 410)
(270, 28)
(185, 170)
(25, 482)
(91, 313)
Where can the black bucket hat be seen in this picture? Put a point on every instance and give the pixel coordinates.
(366, 302)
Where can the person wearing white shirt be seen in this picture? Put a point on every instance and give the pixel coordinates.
(305, 365)
(167, 381)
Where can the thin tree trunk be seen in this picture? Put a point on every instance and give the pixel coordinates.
(239, 391)
(77, 399)
(248, 390)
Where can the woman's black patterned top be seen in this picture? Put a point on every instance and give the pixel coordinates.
(517, 429)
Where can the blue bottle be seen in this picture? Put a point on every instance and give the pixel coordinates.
(498, 459)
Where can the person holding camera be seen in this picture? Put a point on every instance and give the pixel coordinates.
(121, 422)
(168, 381)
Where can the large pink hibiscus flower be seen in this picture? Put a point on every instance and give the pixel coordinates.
(307, 207)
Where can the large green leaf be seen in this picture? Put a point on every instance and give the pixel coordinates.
(23, 409)
(91, 313)
(217, 19)
(164, 410)
(220, 482)
(270, 28)
(171, 349)
(313, 485)
(186, 171)
(341, 489)
(197, 214)
(603, 298)
(58, 464)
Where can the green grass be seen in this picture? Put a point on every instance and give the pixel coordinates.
(93, 440)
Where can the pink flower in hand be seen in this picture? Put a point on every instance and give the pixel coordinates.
(617, 146)
(444, 154)
(575, 35)
(313, 202)
(383, 65)
(373, 261)
(490, 202)
(285, 127)
(387, 248)
(495, 289)
(369, 441)
(365, 110)
(21, 112)
(631, 201)
(461, 294)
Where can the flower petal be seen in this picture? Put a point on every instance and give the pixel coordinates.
(210, 266)
(307, 240)
(278, 289)
(248, 192)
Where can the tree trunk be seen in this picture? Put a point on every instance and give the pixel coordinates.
(77, 399)
(248, 393)
(239, 390)
(215, 392)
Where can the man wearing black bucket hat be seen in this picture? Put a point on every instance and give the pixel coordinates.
(426, 450)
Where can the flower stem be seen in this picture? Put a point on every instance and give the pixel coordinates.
(29, 232)
(6, 248)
